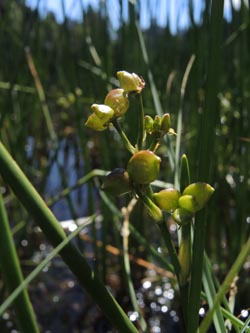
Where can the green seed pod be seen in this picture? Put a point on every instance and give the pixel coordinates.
(130, 82)
(143, 167)
(118, 101)
(95, 123)
(117, 182)
(148, 124)
(103, 112)
(167, 199)
(165, 123)
(201, 193)
(189, 203)
(157, 123)
(182, 216)
(100, 118)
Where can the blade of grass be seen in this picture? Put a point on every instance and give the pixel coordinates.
(210, 293)
(35, 205)
(125, 235)
(13, 276)
(155, 95)
(180, 120)
(41, 95)
(237, 265)
(205, 157)
(185, 253)
(228, 315)
(246, 328)
(17, 88)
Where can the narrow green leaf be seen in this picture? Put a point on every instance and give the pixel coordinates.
(13, 276)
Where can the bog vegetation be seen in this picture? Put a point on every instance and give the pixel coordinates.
(50, 75)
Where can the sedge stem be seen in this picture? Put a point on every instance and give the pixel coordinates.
(124, 137)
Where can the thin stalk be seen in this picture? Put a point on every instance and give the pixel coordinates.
(185, 251)
(237, 323)
(17, 87)
(41, 95)
(80, 182)
(210, 291)
(35, 205)
(124, 137)
(158, 216)
(155, 95)
(13, 276)
(125, 234)
(246, 326)
(141, 129)
(170, 246)
(237, 265)
(180, 116)
(184, 255)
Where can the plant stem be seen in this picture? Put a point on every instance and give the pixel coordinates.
(141, 129)
(184, 254)
(158, 216)
(13, 276)
(185, 251)
(125, 235)
(124, 137)
(237, 265)
(35, 205)
(41, 96)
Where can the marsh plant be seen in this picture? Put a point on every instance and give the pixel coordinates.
(177, 203)
(182, 203)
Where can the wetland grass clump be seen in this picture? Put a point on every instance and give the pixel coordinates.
(199, 246)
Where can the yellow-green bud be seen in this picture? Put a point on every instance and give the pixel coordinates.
(148, 124)
(100, 118)
(143, 167)
(182, 216)
(157, 123)
(189, 203)
(130, 82)
(103, 112)
(167, 199)
(95, 123)
(117, 182)
(165, 123)
(201, 192)
(118, 101)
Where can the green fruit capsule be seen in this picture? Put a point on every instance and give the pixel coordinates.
(157, 123)
(182, 216)
(117, 182)
(167, 199)
(189, 203)
(118, 101)
(148, 124)
(165, 123)
(130, 82)
(201, 192)
(143, 167)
